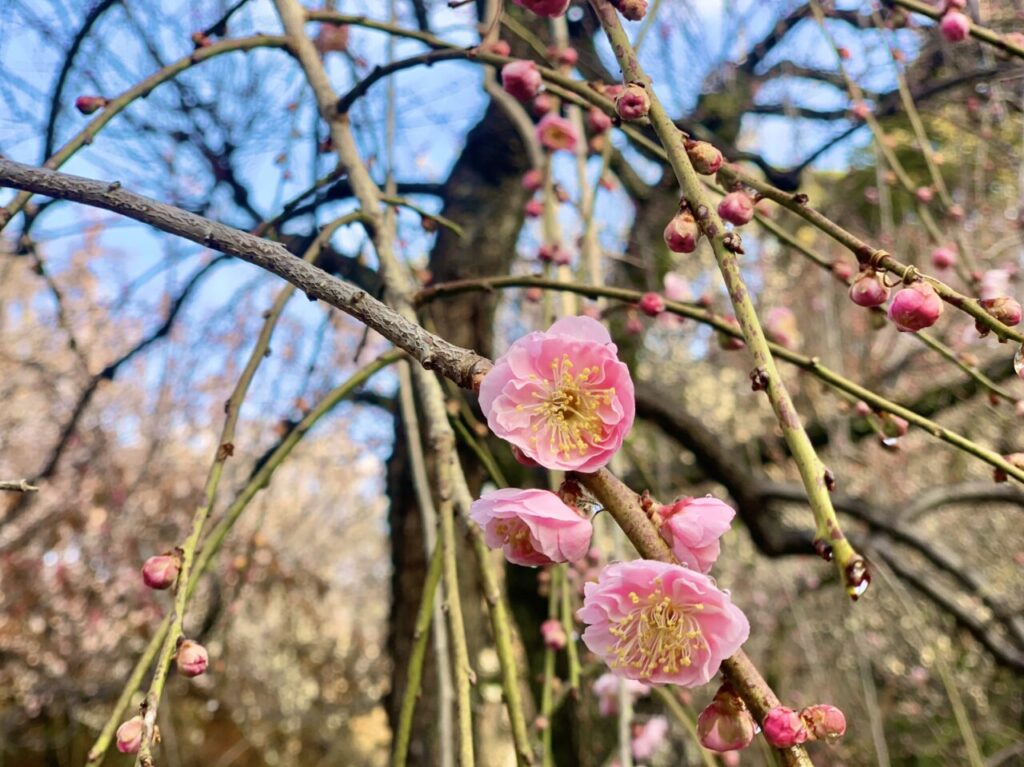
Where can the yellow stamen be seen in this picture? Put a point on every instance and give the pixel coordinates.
(658, 634)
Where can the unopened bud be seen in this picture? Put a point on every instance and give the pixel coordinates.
(737, 208)
(192, 658)
(129, 735)
(784, 728)
(160, 572)
(705, 158)
(824, 722)
(651, 304)
(89, 104)
(633, 103)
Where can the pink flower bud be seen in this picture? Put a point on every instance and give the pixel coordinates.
(547, 8)
(633, 103)
(554, 634)
(824, 722)
(955, 212)
(844, 53)
(860, 110)
(541, 105)
(867, 290)
(332, 38)
(566, 57)
(676, 287)
(1006, 310)
(704, 157)
(89, 104)
(955, 26)
(862, 408)
(129, 735)
(1014, 459)
(943, 257)
(521, 79)
(546, 253)
(682, 233)
(192, 658)
(737, 208)
(533, 180)
(498, 48)
(634, 10)
(555, 132)
(784, 728)
(633, 325)
(533, 208)
(726, 724)
(651, 304)
(533, 294)
(597, 121)
(924, 194)
(916, 307)
(994, 283)
(160, 572)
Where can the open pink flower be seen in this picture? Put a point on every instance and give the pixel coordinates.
(648, 737)
(555, 132)
(661, 623)
(692, 527)
(606, 688)
(562, 396)
(533, 527)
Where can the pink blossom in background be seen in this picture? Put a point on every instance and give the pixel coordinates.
(546, 8)
(532, 527)
(561, 396)
(994, 283)
(555, 132)
(780, 326)
(648, 737)
(553, 634)
(693, 527)
(660, 623)
(606, 688)
(677, 288)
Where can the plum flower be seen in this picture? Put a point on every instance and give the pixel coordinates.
(555, 132)
(562, 396)
(693, 526)
(532, 527)
(661, 623)
(648, 737)
(606, 688)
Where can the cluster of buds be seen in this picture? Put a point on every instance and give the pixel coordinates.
(783, 727)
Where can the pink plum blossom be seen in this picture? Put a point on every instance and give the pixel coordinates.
(693, 526)
(943, 257)
(532, 527)
(915, 308)
(521, 79)
(547, 8)
(561, 396)
(660, 623)
(677, 288)
(682, 233)
(555, 132)
(784, 728)
(648, 736)
(606, 688)
(598, 121)
(633, 103)
(651, 304)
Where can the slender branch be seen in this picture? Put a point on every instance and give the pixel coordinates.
(978, 32)
(18, 486)
(829, 538)
(260, 478)
(421, 634)
(461, 365)
(865, 254)
(116, 105)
